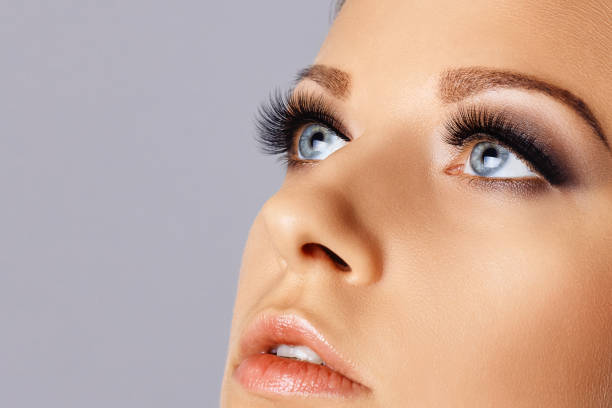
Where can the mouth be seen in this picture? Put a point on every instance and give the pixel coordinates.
(286, 355)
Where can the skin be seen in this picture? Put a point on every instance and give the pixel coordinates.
(461, 292)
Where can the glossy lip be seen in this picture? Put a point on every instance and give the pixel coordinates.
(268, 330)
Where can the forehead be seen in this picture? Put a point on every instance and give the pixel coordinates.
(395, 45)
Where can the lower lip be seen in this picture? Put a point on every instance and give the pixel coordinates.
(267, 373)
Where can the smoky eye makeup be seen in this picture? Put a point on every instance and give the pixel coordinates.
(484, 126)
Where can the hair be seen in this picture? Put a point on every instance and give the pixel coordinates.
(339, 4)
(336, 7)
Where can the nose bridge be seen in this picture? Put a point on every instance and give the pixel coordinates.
(383, 175)
(351, 202)
(306, 212)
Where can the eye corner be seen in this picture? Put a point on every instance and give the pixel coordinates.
(454, 169)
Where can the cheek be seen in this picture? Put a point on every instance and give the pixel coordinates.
(506, 313)
(547, 325)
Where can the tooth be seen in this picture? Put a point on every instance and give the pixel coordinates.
(302, 353)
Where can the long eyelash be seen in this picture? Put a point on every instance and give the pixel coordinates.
(473, 123)
(284, 113)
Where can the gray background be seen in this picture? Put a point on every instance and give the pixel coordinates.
(129, 179)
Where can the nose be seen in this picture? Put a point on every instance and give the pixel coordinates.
(314, 226)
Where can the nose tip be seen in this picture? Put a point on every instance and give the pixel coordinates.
(320, 227)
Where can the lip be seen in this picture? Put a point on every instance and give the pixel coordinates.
(264, 373)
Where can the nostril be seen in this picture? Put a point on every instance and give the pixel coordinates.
(337, 260)
(312, 249)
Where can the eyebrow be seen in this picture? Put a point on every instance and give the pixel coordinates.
(336, 81)
(460, 83)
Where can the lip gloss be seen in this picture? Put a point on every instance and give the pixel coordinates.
(262, 372)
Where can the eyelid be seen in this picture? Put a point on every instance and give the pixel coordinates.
(520, 186)
(308, 108)
(477, 122)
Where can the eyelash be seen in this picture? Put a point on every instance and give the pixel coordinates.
(284, 114)
(476, 123)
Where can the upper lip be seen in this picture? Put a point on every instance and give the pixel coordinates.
(268, 330)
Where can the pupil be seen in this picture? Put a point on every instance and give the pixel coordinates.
(490, 152)
(490, 158)
(316, 139)
(487, 158)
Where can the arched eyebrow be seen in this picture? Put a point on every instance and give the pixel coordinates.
(459, 83)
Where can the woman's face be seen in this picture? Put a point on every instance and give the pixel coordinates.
(457, 249)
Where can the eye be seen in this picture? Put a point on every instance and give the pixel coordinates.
(316, 142)
(493, 160)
